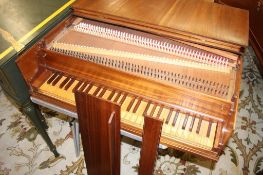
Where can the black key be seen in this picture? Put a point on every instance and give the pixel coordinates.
(192, 124)
(130, 105)
(199, 126)
(159, 112)
(185, 121)
(83, 86)
(153, 109)
(77, 86)
(123, 99)
(175, 118)
(69, 84)
(97, 91)
(56, 79)
(52, 78)
(169, 116)
(137, 105)
(88, 88)
(111, 95)
(209, 129)
(64, 82)
(117, 97)
(102, 92)
(146, 109)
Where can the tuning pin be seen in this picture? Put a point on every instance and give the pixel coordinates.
(154, 44)
(192, 53)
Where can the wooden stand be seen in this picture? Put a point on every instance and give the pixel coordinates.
(99, 122)
(150, 141)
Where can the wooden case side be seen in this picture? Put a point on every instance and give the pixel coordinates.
(29, 60)
(231, 122)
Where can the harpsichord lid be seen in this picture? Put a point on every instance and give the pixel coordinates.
(195, 21)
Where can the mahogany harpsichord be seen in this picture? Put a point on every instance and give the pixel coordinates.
(176, 60)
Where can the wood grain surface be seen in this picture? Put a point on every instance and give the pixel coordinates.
(99, 122)
(186, 17)
(150, 141)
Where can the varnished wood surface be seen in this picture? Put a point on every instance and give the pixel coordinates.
(99, 122)
(185, 17)
(150, 141)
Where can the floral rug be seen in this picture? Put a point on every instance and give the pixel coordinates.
(23, 151)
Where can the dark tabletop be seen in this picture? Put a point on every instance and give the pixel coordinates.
(18, 17)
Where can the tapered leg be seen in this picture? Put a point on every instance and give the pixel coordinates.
(33, 114)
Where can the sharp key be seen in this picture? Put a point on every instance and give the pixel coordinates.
(71, 95)
(56, 80)
(139, 113)
(114, 96)
(179, 130)
(131, 115)
(185, 121)
(159, 112)
(83, 86)
(186, 132)
(88, 88)
(54, 89)
(198, 126)
(209, 129)
(168, 116)
(164, 115)
(178, 124)
(137, 105)
(150, 109)
(122, 99)
(93, 89)
(126, 103)
(111, 95)
(69, 84)
(131, 104)
(153, 110)
(212, 135)
(124, 106)
(192, 124)
(52, 78)
(146, 109)
(102, 92)
(175, 118)
(117, 97)
(194, 135)
(106, 94)
(203, 132)
(77, 86)
(64, 82)
(97, 91)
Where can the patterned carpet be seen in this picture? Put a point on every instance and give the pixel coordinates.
(23, 151)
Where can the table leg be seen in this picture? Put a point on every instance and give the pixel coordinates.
(33, 113)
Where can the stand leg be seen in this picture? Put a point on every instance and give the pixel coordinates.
(150, 141)
(76, 123)
(75, 132)
(30, 111)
